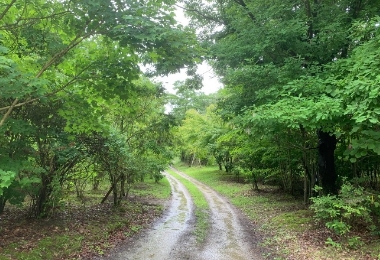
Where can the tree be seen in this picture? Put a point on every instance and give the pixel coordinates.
(137, 140)
(186, 98)
(50, 32)
(61, 64)
(275, 59)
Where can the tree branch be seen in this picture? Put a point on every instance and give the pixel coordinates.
(10, 108)
(48, 94)
(63, 52)
(244, 5)
(31, 20)
(7, 9)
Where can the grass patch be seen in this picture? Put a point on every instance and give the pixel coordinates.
(202, 225)
(297, 221)
(201, 208)
(151, 189)
(53, 247)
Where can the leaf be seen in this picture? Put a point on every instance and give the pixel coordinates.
(6, 179)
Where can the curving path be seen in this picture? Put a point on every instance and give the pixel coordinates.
(230, 237)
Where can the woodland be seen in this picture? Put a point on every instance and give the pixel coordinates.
(300, 106)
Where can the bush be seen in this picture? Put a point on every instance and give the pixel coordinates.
(352, 207)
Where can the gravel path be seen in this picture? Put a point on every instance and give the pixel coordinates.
(231, 236)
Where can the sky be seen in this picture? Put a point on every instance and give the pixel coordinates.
(211, 83)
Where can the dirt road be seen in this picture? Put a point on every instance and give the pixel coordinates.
(231, 236)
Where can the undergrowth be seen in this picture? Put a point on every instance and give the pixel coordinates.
(83, 228)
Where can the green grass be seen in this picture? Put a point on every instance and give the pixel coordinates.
(298, 221)
(149, 188)
(201, 208)
(52, 247)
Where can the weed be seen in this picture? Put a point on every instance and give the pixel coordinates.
(355, 242)
(332, 243)
(202, 225)
(136, 228)
(99, 250)
(54, 247)
(116, 225)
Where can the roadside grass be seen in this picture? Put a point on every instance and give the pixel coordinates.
(201, 208)
(287, 226)
(83, 228)
(150, 189)
(64, 247)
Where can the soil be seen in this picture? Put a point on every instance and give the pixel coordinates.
(231, 235)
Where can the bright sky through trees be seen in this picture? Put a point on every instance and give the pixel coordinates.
(211, 83)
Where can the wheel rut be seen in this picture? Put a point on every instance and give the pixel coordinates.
(231, 236)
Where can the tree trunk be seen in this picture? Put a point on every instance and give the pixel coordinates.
(326, 162)
(113, 185)
(192, 160)
(114, 191)
(95, 184)
(255, 186)
(40, 208)
(3, 200)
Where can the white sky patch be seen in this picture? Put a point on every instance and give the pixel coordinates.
(211, 82)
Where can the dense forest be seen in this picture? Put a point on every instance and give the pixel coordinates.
(75, 105)
(300, 107)
(300, 96)
(300, 104)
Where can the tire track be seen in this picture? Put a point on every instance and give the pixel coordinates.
(228, 239)
(160, 241)
(172, 238)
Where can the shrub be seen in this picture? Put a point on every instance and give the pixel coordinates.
(352, 207)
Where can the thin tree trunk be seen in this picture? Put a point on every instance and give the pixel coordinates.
(6, 9)
(109, 191)
(3, 200)
(192, 161)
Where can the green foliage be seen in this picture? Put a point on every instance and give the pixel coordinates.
(197, 131)
(332, 243)
(69, 69)
(341, 212)
(355, 242)
(6, 180)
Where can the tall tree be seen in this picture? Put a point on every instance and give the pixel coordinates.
(274, 57)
